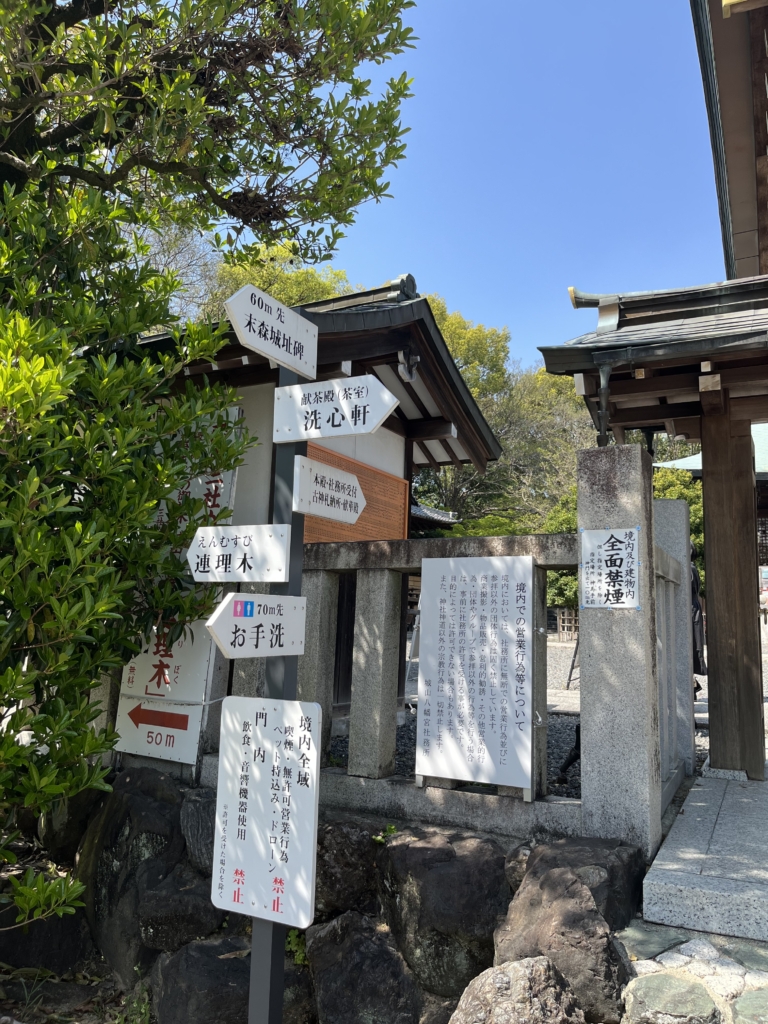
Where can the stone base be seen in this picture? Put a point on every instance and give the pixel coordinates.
(734, 775)
(721, 905)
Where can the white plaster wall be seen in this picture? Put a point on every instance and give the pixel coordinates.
(253, 477)
(382, 450)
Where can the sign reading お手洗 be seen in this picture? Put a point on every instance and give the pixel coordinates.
(266, 810)
(475, 710)
(267, 326)
(608, 570)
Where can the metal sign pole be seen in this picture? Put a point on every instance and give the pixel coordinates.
(265, 1002)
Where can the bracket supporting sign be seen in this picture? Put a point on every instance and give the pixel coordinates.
(259, 625)
(327, 492)
(265, 325)
(331, 408)
(240, 554)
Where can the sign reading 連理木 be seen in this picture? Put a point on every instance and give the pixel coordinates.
(240, 554)
(322, 490)
(259, 626)
(267, 326)
(266, 810)
(475, 709)
(331, 408)
(609, 568)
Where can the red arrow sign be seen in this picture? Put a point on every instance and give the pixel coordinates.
(140, 715)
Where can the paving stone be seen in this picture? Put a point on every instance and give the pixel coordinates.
(752, 955)
(727, 986)
(756, 979)
(699, 948)
(642, 967)
(643, 940)
(667, 999)
(673, 959)
(751, 1008)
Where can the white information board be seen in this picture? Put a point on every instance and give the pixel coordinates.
(331, 408)
(259, 625)
(266, 810)
(475, 709)
(162, 691)
(608, 570)
(327, 492)
(265, 325)
(240, 554)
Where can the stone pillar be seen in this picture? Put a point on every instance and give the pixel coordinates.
(316, 666)
(107, 695)
(375, 663)
(620, 775)
(672, 533)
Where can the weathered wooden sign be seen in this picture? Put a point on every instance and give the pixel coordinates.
(267, 326)
(259, 626)
(160, 707)
(240, 554)
(322, 490)
(608, 569)
(331, 408)
(476, 670)
(266, 810)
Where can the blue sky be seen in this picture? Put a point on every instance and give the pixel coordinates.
(552, 144)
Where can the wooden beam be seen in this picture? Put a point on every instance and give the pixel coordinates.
(661, 387)
(690, 426)
(653, 415)
(753, 408)
(430, 430)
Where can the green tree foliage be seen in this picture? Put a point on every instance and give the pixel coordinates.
(254, 111)
(278, 271)
(480, 352)
(117, 120)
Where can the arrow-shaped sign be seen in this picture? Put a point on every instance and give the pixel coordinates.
(140, 715)
(265, 325)
(331, 408)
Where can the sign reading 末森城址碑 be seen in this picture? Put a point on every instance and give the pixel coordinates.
(476, 670)
(266, 810)
(259, 625)
(331, 408)
(609, 568)
(265, 325)
(240, 554)
(322, 490)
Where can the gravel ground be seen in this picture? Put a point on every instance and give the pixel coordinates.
(561, 731)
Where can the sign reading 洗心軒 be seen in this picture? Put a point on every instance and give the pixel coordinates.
(265, 325)
(476, 670)
(331, 408)
(322, 490)
(162, 691)
(240, 554)
(261, 626)
(608, 570)
(266, 810)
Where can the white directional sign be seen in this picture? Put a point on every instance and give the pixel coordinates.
(259, 626)
(240, 554)
(161, 696)
(266, 810)
(267, 326)
(321, 490)
(331, 408)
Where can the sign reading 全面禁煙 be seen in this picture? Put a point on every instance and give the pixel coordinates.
(475, 710)
(609, 568)
(266, 810)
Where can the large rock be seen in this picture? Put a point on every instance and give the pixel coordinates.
(62, 827)
(132, 844)
(668, 999)
(298, 995)
(611, 871)
(443, 895)
(57, 944)
(555, 915)
(178, 911)
(516, 865)
(346, 870)
(752, 1008)
(198, 825)
(530, 991)
(204, 983)
(359, 975)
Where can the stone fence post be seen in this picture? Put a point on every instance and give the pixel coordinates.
(620, 754)
(317, 665)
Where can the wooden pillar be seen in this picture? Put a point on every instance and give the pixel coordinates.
(736, 728)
